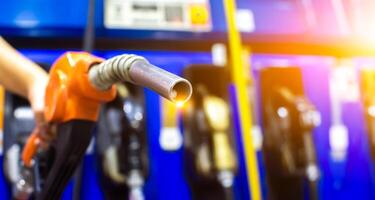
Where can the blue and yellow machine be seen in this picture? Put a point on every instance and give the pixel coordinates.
(309, 35)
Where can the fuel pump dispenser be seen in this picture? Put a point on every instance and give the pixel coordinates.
(19, 122)
(210, 158)
(288, 120)
(367, 83)
(79, 82)
(122, 145)
(368, 98)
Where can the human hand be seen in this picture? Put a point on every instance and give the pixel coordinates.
(36, 98)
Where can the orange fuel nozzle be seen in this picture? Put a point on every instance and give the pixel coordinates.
(69, 95)
(30, 148)
(79, 82)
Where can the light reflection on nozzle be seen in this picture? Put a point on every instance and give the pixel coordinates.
(180, 104)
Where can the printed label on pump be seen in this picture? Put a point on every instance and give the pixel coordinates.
(257, 137)
(344, 88)
(245, 20)
(173, 15)
(170, 138)
(339, 142)
(346, 83)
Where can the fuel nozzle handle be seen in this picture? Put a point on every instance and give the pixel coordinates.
(139, 71)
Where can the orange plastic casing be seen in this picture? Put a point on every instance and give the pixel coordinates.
(69, 95)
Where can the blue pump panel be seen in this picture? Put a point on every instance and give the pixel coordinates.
(40, 14)
(353, 176)
(56, 19)
(255, 17)
(43, 18)
(276, 16)
(166, 179)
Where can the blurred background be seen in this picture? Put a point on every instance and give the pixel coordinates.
(286, 111)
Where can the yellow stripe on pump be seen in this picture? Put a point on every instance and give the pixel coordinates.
(238, 73)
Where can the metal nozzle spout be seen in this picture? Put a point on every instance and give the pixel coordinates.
(138, 70)
(166, 84)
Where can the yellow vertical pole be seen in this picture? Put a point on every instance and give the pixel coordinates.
(240, 79)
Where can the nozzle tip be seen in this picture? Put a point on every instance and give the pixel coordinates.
(181, 91)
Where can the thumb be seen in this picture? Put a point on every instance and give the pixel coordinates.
(36, 98)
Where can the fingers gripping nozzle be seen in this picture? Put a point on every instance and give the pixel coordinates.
(137, 70)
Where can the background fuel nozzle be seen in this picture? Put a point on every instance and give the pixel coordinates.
(139, 71)
(210, 151)
(289, 120)
(217, 112)
(122, 144)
